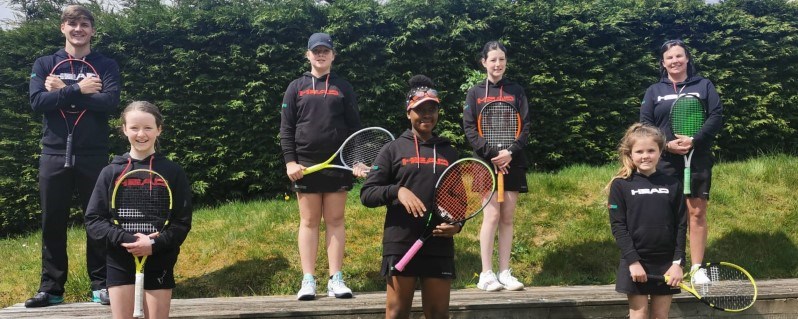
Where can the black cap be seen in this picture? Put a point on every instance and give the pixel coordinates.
(318, 39)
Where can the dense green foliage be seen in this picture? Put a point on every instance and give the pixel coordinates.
(219, 69)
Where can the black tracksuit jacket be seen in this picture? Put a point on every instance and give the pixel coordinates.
(91, 134)
(416, 166)
(507, 91)
(656, 106)
(98, 214)
(647, 217)
(318, 114)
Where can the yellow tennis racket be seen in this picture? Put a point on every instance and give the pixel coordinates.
(729, 287)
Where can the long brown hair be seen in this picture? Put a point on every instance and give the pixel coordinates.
(145, 107)
(634, 133)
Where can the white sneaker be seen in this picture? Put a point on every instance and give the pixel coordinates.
(488, 281)
(699, 277)
(508, 281)
(308, 290)
(337, 288)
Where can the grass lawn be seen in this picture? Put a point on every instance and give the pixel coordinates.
(562, 237)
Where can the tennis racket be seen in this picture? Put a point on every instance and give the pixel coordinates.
(688, 114)
(499, 123)
(141, 203)
(72, 71)
(359, 149)
(731, 288)
(462, 191)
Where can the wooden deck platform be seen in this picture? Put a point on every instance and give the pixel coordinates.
(778, 299)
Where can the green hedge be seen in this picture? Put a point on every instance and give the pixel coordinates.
(219, 69)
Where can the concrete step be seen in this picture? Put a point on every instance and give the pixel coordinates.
(778, 299)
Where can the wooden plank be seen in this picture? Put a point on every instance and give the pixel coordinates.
(777, 299)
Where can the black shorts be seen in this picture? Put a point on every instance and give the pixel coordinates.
(515, 180)
(700, 172)
(624, 283)
(158, 269)
(328, 180)
(420, 266)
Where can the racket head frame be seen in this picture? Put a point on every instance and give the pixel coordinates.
(687, 126)
(340, 154)
(68, 158)
(696, 290)
(489, 185)
(121, 180)
(484, 122)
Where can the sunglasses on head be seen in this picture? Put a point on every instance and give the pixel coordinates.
(671, 43)
(421, 93)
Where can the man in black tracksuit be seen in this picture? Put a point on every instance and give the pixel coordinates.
(49, 96)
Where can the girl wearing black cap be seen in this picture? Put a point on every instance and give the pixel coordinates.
(403, 179)
(319, 112)
(511, 161)
(678, 76)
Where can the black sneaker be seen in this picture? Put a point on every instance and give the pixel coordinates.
(101, 296)
(43, 299)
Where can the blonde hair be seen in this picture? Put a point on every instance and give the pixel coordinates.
(633, 134)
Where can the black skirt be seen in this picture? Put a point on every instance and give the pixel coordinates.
(420, 266)
(328, 180)
(624, 283)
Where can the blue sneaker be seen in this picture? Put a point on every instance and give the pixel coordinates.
(101, 297)
(43, 299)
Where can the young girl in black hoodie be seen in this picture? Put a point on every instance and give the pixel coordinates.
(319, 112)
(403, 179)
(142, 123)
(648, 222)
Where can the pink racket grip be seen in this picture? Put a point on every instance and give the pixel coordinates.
(400, 266)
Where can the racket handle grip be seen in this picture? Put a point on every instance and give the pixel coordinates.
(500, 186)
(400, 266)
(687, 180)
(312, 169)
(658, 277)
(68, 152)
(138, 296)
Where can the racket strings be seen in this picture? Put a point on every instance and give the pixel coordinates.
(687, 116)
(499, 124)
(463, 190)
(142, 207)
(729, 288)
(364, 147)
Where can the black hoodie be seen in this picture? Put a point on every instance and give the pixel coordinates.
(416, 165)
(647, 215)
(98, 213)
(91, 134)
(476, 99)
(656, 106)
(318, 114)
